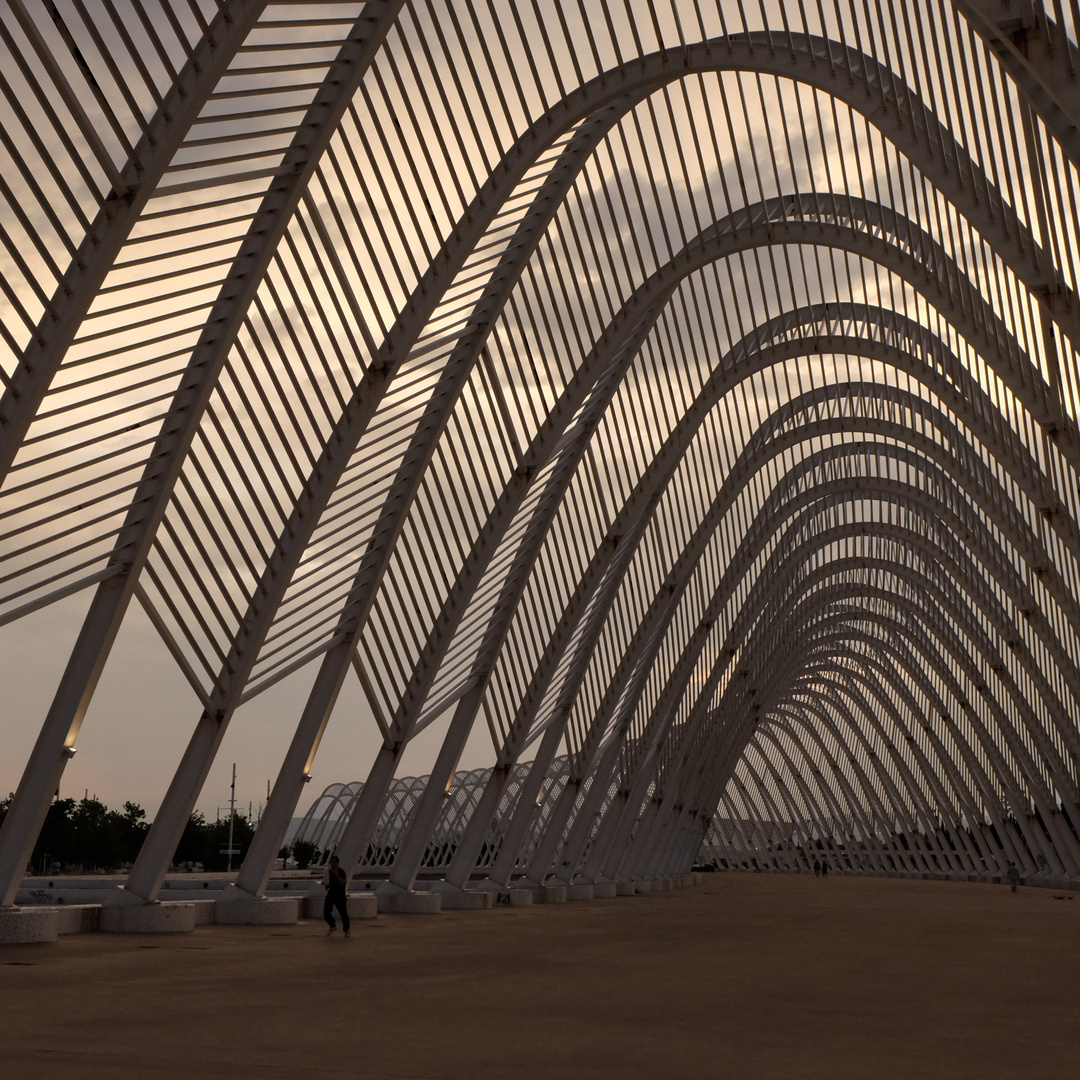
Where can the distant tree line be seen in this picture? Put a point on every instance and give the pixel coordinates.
(86, 834)
(206, 842)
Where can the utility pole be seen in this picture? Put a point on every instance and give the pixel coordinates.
(232, 817)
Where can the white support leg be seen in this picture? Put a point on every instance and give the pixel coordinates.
(294, 772)
(55, 745)
(468, 850)
(155, 856)
(369, 805)
(411, 852)
(523, 813)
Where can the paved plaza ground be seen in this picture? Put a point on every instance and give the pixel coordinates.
(746, 975)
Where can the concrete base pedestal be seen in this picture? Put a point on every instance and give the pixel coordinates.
(163, 918)
(580, 891)
(257, 911)
(364, 906)
(204, 912)
(454, 899)
(642, 885)
(28, 926)
(624, 888)
(505, 895)
(604, 890)
(361, 906)
(551, 893)
(513, 898)
(394, 901)
(78, 918)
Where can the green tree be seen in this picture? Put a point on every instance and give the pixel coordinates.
(96, 835)
(133, 827)
(304, 852)
(57, 841)
(203, 841)
(195, 843)
(243, 831)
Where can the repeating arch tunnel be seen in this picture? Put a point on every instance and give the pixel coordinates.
(683, 392)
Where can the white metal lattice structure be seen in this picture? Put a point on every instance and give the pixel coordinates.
(688, 386)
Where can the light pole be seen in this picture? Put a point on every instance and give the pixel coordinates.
(232, 818)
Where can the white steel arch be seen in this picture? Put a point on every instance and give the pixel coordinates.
(689, 392)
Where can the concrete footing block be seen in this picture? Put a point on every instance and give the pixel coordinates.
(580, 892)
(361, 906)
(604, 890)
(162, 918)
(400, 902)
(257, 911)
(545, 894)
(624, 888)
(642, 885)
(505, 895)
(454, 899)
(28, 926)
(78, 918)
(204, 912)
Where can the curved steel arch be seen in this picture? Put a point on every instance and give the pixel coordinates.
(958, 229)
(706, 399)
(703, 696)
(603, 769)
(861, 346)
(720, 239)
(147, 875)
(676, 680)
(1065, 846)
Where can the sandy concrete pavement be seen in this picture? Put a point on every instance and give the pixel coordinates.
(746, 975)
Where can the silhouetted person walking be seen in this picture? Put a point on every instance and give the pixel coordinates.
(1012, 875)
(824, 868)
(335, 897)
(817, 868)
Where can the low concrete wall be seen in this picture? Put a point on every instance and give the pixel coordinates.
(512, 898)
(28, 926)
(360, 906)
(452, 899)
(400, 902)
(204, 912)
(261, 911)
(92, 904)
(78, 918)
(163, 918)
(65, 896)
